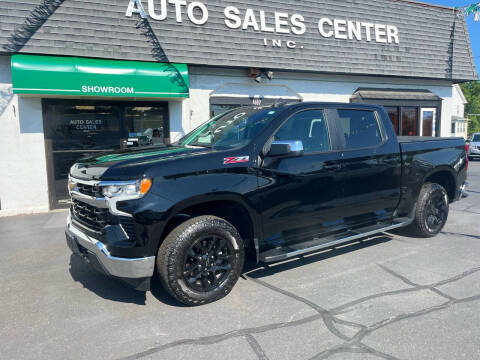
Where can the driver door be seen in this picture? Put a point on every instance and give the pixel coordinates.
(301, 195)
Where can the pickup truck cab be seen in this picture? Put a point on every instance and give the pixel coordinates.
(271, 182)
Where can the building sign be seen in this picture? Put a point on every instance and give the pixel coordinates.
(85, 124)
(57, 75)
(267, 22)
(107, 90)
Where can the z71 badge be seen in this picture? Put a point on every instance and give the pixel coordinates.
(236, 160)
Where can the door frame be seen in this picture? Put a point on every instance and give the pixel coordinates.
(434, 121)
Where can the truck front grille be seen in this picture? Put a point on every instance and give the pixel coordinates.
(88, 215)
(90, 190)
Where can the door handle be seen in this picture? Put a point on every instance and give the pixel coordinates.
(390, 160)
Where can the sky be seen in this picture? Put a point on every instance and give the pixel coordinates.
(473, 27)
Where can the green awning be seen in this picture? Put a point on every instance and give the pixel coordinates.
(57, 75)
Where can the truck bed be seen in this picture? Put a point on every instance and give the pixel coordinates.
(408, 139)
(424, 143)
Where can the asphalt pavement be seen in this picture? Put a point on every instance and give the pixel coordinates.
(387, 297)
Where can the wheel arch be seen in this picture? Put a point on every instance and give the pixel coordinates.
(231, 207)
(445, 176)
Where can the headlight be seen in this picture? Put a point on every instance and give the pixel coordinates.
(131, 190)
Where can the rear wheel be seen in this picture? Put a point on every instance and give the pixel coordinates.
(432, 211)
(201, 260)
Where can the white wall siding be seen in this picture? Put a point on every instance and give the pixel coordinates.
(458, 104)
(23, 180)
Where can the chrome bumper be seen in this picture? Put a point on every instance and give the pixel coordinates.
(115, 266)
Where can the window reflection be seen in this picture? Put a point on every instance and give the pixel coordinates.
(146, 125)
(393, 115)
(409, 121)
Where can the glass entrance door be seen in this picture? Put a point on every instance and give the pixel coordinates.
(76, 128)
(427, 121)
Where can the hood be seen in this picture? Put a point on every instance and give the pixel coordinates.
(130, 163)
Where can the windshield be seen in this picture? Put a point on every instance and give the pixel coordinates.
(231, 129)
(476, 138)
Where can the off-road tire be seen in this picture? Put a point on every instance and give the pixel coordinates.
(419, 227)
(171, 254)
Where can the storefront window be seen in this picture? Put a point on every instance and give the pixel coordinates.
(393, 113)
(409, 120)
(147, 124)
(76, 128)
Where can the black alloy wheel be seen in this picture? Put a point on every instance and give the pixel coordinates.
(201, 260)
(436, 211)
(431, 212)
(207, 263)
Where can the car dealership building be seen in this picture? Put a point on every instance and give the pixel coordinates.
(82, 76)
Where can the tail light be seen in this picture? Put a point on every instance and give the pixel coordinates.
(467, 149)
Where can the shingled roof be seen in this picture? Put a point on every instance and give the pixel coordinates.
(433, 40)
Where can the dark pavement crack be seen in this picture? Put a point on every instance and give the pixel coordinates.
(441, 293)
(326, 316)
(207, 340)
(339, 309)
(410, 315)
(339, 349)
(353, 347)
(456, 277)
(401, 277)
(256, 347)
(307, 302)
(460, 234)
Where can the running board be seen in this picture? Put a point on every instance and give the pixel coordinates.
(290, 251)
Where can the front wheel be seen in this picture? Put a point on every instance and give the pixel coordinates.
(431, 212)
(201, 260)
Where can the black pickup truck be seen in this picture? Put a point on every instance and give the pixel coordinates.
(272, 182)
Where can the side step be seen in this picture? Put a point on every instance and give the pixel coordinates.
(293, 250)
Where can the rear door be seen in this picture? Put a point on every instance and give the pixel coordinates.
(301, 195)
(370, 167)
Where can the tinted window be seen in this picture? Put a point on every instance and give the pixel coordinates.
(359, 128)
(309, 127)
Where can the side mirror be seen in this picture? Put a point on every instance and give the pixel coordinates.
(286, 148)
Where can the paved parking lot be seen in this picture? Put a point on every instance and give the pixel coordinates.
(388, 297)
